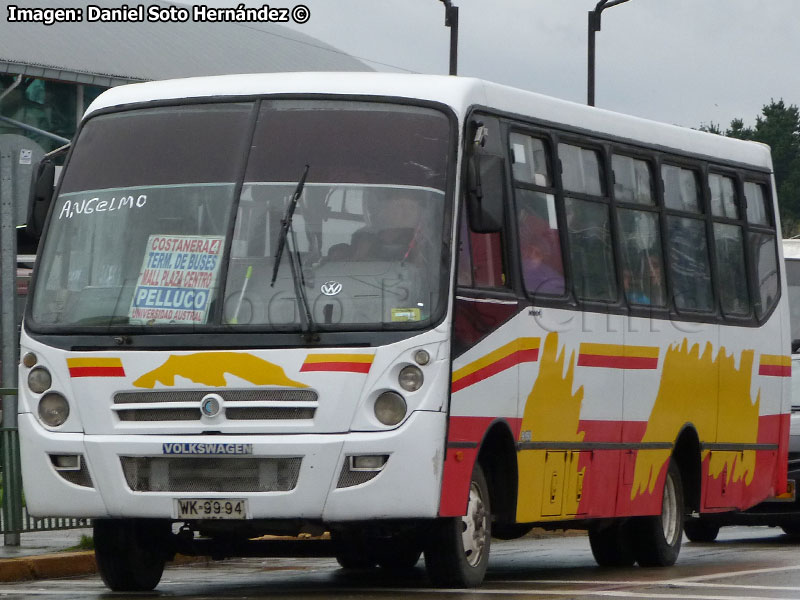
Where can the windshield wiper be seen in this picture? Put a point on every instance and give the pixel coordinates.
(306, 320)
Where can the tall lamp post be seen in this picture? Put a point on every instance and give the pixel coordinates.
(451, 21)
(594, 27)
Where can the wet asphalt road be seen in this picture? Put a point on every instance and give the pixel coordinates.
(753, 563)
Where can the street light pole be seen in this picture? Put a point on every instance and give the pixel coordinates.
(594, 27)
(451, 21)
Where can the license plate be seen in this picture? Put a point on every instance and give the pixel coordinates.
(217, 508)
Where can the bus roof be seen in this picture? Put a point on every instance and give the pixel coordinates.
(460, 93)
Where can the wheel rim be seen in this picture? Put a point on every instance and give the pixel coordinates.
(474, 527)
(669, 512)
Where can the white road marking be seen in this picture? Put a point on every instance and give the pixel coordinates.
(688, 582)
(569, 593)
(732, 574)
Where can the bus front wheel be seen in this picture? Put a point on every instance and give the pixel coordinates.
(657, 540)
(457, 551)
(131, 553)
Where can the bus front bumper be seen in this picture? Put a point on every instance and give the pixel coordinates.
(160, 469)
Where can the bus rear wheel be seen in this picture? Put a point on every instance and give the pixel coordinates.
(131, 553)
(657, 539)
(457, 551)
(700, 530)
(612, 545)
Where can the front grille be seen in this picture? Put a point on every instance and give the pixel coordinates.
(210, 474)
(258, 413)
(79, 476)
(164, 414)
(237, 405)
(349, 478)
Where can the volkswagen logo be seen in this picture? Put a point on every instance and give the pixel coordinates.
(331, 288)
(210, 405)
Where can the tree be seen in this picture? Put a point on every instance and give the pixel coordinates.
(778, 126)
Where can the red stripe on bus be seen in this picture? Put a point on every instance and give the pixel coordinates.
(775, 371)
(96, 372)
(617, 362)
(521, 356)
(349, 367)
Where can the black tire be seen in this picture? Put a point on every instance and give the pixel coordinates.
(353, 562)
(131, 553)
(612, 546)
(700, 530)
(457, 549)
(352, 552)
(399, 555)
(657, 539)
(792, 529)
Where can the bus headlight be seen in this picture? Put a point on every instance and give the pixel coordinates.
(29, 360)
(410, 378)
(390, 408)
(422, 357)
(53, 409)
(39, 380)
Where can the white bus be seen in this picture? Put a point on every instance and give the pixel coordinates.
(415, 312)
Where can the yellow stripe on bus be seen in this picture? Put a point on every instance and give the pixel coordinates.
(619, 350)
(775, 360)
(76, 363)
(345, 358)
(526, 343)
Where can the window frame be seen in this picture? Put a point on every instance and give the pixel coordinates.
(769, 229)
(604, 162)
(555, 190)
(656, 208)
(655, 156)
(740, 221)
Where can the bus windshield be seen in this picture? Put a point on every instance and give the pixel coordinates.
(171, 216)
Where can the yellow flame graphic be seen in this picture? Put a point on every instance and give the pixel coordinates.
(694, 389)
(210, 368)
(552, 412)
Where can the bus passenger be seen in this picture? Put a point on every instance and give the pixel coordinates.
(540, 253)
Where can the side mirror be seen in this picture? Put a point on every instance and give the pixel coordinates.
(41, 196)
(486, 192)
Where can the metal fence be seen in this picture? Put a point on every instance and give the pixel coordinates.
(14, 518)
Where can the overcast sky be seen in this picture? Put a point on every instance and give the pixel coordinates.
(687, 62)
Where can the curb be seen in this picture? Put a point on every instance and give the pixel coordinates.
(63, 564)
(47, 566)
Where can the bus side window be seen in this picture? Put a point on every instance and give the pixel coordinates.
(688, 247)
(639, 232)
(480, 258)
(756, 204)
(540, 247)
(588, 225)
(487, 260)
(729, 246)
(464, 273)
(762, 247)
(729, 250)
(640, 245)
